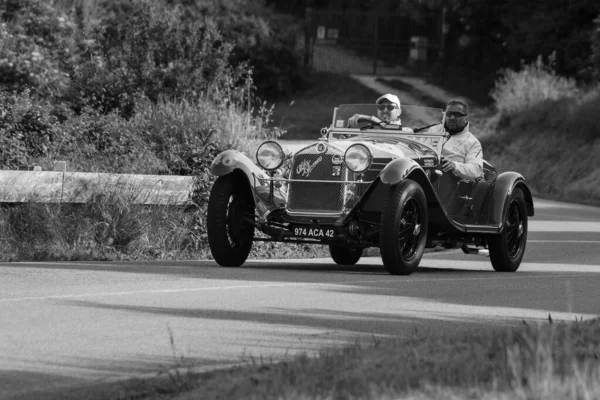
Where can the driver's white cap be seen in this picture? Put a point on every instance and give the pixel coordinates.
(391, 97)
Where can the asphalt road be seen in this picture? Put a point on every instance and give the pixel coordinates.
(68, 325)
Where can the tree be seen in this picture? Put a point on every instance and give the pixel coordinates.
(595, 37)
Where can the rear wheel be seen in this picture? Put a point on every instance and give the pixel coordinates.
(345, 255)
(229, 216)
(508, 247)
(403, 228)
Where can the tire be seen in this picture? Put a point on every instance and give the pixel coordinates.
(230, 235)
(508, 247)
(403, 228)
(345, 255)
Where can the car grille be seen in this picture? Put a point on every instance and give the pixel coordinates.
(317, 197)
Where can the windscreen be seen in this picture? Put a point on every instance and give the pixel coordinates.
(413, 117)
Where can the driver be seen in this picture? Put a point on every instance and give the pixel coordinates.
(388, 111)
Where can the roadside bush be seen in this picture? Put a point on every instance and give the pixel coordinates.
(267, 42)
(148, 52)
(263, 39)
(96, 142)
(516, 91)
(583, 121)
(28, 129)
(32, 45)
(109, 228)
(550, 141)
(128, 87)
(115, 221)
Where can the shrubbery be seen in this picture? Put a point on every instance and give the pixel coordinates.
(547, 129)
(515, 91)
(125, 87)
(32, 46)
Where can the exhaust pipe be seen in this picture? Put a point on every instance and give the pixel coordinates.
(476, 251)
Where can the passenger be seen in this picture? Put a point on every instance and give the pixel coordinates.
(461, 153)
(388, 111)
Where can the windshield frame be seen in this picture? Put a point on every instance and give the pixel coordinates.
(411, 116)
(392, 134)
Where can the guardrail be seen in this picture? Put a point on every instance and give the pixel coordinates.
(59, 186)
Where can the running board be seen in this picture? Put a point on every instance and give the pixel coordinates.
(482, 229)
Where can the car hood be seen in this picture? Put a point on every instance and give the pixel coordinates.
(385, 148)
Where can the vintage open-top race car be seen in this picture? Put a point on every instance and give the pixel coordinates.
(374, 185)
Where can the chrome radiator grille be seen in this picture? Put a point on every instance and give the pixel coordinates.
(317, 197)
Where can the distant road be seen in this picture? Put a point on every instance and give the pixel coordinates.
(70, 325)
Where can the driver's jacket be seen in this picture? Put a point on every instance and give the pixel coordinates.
(465, 150)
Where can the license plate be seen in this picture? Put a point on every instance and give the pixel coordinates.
(313, 232)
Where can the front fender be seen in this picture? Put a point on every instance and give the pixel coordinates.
(230, 160)
(397, 170)
(504, 185)
(394, 173)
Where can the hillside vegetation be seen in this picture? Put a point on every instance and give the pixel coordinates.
(132, 87)
(546, 127)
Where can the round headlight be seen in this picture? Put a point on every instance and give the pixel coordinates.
(270, 155)
(358, 158)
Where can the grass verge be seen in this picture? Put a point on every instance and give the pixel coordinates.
(530, 361)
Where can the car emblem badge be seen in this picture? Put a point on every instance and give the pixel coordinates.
(336, 159)
(305, 167)
(321, 147)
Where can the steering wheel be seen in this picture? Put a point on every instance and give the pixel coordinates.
(373, 121)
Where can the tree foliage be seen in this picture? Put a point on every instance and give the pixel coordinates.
(486, 36)
(595, 37)
(86, 80)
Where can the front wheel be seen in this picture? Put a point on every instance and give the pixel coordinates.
(508, 247)
(229, 227)
(403, 228)
(345, 255)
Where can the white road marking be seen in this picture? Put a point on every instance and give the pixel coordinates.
(545, 204)
(563, 226)
(552, 215)
(563, 241)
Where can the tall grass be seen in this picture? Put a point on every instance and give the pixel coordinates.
(516, 91)
(169, 136)
(528, 362)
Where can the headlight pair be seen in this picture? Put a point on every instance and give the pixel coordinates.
(270, 156)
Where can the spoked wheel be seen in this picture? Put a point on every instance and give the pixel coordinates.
(508, 247)
(404, 228)
(229, 220)
(345, 255)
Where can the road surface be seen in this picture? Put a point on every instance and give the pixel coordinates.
(75, 324)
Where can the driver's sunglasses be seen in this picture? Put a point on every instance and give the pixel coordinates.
(455, 114)
(389, 107)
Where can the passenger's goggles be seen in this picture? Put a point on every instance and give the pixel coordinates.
(389, 107)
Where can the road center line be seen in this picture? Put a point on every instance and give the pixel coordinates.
(563, 241)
